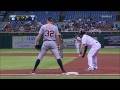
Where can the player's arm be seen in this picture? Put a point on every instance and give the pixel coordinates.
(58, 41)
(84, 52)
(58, 37)
(39, 36)
(37, 39)
(82, 47)
(78, 39)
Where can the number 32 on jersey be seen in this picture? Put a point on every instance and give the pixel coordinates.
(49, 33)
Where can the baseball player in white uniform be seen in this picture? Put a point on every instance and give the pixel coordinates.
(92, 54)
(50, 35)
(77, 41)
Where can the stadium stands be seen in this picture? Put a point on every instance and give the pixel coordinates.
(89, 20)
(108, 16)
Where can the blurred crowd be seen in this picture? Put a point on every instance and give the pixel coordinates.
(66, 26)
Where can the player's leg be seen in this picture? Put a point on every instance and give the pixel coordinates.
(36, 65)
(57, 56)
(61, 51)
(91, 54)
(39, 58)
(95, 62)
(78, 48)
(95, 57)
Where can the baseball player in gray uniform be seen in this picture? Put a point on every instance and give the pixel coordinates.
(50, 35)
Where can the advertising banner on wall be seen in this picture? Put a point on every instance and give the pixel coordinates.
(112, 41)
(69, 42)
(23, 41)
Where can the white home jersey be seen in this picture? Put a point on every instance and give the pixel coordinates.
(88, 40)
(77, 40)
(49, 32)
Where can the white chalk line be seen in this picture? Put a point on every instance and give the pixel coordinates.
(59, 75)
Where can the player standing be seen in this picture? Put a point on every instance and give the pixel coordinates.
(77, 42)
(50, 35)
(92, 54)
(77, 39)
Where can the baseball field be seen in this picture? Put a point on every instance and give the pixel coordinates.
(18, 64)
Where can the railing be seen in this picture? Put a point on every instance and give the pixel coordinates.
(117, 31)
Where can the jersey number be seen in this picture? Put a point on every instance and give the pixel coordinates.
(49, 33)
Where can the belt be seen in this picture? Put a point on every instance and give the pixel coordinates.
(49, 40)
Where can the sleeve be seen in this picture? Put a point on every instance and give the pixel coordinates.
(56, 31)
(41, 30)
(83, 40)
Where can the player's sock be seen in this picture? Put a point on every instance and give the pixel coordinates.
(61, 65)
(36, 64)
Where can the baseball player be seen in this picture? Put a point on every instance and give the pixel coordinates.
(92, 54)
(77, 39)
(61, 46)
(50, 35)
(77, 42)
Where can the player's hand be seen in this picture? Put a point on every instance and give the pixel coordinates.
(58, 47)
(38, 47)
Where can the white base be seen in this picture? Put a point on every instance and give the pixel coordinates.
(72, 73)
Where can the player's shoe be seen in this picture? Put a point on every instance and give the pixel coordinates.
(89, 69)
(95, 68)
(33, 72)
(63, 73)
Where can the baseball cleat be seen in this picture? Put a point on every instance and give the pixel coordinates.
(95, 68)
(63, 73)
(33, 72)
(89, 69)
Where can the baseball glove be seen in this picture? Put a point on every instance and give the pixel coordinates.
(85, 50)
(38, 47)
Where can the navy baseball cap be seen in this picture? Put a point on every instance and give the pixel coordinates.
(82, 32)
(50, 19)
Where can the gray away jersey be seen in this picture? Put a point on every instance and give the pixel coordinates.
(49, 32)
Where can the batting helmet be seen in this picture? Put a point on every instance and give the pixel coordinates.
(82, 32)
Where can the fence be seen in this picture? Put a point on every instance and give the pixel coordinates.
(26, 40)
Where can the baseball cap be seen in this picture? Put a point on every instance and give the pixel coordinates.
(82, 32)
(49, 18)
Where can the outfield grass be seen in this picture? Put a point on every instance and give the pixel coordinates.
(60, 77)
(27, 62)
(102, 50)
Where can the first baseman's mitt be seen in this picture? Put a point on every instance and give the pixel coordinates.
(38, 47)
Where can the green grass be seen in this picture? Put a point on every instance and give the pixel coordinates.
(59, 77)
(102, 50)
(27, 62)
